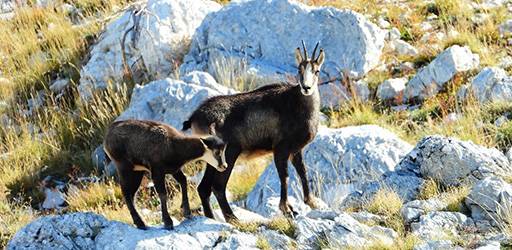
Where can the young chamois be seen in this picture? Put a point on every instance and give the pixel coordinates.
(136, 146)
(279, 119)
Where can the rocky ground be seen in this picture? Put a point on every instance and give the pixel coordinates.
(414, 151)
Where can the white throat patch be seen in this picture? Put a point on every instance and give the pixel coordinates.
(309, 81)
(209, 158)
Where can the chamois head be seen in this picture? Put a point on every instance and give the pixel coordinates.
(215, 150)
(309, 69)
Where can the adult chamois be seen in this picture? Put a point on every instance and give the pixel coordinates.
(278, 118)
(136, 146)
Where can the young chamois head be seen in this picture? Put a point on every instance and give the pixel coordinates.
(215, 150)
(309, 69)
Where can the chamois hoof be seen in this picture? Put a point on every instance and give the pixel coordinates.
(142, 227)
(232, 219)
(312, 202)
(288, 211)
(168, 227)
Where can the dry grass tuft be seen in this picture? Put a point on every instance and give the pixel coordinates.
(282, 225)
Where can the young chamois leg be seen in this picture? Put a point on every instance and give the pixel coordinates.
(161, 189)
(182, 180)
(300, 167)
(221, 180)
(205, 190)
(130, 181)
(281, 156)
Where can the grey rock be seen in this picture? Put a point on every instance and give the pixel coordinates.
(69, 231)
(99, 159)
(412, 210)
(59, 85)
(505, 28)
(492, 85)
(367, 218)
(453, 162)
(436, 244)
(92, 231)
(276, 240)
(391, 89)
(431, 78)
(170, 101)
(490, 199)
(502, 120)
(342, 232)
(267, 41)
(439, 225)
(339, 161)
(164, 25)
(393, 34)
(403, 48)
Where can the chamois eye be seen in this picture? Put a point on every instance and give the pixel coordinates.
(317, 72)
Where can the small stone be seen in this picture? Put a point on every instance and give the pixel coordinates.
(393, 34)
(403, 48)
(391, 89)
(501, 121)
(426, 26)
(59, 85)
(383, 23)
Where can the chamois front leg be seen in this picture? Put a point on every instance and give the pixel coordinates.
(182, 180)
(221, 180)
(300, 167)
(281, 161)
(205, 190)
(159, 180)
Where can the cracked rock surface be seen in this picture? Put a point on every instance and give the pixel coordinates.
(452, 162)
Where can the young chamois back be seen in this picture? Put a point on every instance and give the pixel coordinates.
(279, 119)
(136, 146)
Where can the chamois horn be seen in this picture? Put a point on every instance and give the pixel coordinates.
(314, 51)
(305, 50)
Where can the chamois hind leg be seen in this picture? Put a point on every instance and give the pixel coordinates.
(281, 156)
(130, 181)
(182, 180)
(205, 190)
(159, 180)
(221, 180)
(300, 167)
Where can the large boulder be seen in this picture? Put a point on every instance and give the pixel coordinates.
(338, 161)
(453, 162)
(92, 231)
(264, 35)
(492, 85)
(431, 78)
(168, 100)
(153, 46)
(491, 199)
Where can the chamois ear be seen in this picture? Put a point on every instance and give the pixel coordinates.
(211, 129)
(207, 143)
(298, 56)
(321, 58)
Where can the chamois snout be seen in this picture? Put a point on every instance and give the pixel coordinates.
(215, 153)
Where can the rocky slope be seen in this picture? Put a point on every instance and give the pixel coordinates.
(348, 167)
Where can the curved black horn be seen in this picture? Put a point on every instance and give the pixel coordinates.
(305, 50)
(314, 51)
